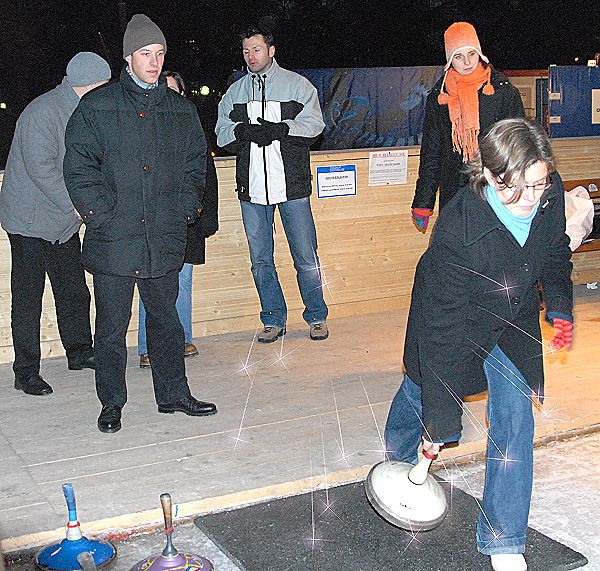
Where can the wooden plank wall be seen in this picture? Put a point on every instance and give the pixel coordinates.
(367, 246)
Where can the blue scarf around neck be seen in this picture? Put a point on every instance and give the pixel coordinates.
(518, 226)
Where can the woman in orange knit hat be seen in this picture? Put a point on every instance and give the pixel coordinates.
(464, 104)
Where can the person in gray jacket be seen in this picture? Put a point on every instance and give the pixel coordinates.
(269, 119)
(43, 227)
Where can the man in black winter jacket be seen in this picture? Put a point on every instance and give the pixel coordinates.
(135, 168)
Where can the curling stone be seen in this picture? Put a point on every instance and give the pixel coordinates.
(407, 496)
(170, 558)
(63, 556)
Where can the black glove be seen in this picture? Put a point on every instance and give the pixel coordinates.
(252, 132)
(276, 130)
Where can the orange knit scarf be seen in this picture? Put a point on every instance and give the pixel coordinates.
(462, 98)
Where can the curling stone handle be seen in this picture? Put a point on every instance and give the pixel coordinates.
(418, 473)
(167, 508)
(86, 561)
(70, 499)
(73, 529)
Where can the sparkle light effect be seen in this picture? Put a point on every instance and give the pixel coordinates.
(238, 438)
(383, 449)
(547, 415)
(452, 481)
(471, 417)
(327, 504)
(281, 356)
(504, 455)
(245, 366)
(325, 282)
(340, 444)
(324, 285)
(526, 392)
(504, 458)
(323, 504)
(550, 350)
(503, 287)
(465, 409)
(313, 539)
(413, 534)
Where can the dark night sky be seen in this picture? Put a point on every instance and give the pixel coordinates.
(38, 37)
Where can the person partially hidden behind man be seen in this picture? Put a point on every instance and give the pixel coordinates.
(43, 228)
(135, 167)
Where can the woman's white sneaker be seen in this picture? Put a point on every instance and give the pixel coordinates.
(508, 562)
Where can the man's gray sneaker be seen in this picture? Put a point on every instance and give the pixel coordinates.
(319, 331)
(270, 333)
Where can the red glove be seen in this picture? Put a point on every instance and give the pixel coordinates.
(420, 218)
(563, 334)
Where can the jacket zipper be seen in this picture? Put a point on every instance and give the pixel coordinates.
(261, 82)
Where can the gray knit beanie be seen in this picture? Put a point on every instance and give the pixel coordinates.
(141, 31)
(86, 68)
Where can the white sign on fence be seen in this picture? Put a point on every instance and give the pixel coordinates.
(388, 167)
(336, 180)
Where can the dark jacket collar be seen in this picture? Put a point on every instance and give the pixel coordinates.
(479, 217)
(152, 96)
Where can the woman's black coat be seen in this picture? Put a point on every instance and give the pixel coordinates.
(439, 165)
(475, 287)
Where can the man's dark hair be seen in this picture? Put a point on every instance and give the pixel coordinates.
(178, 80)
(258, 31)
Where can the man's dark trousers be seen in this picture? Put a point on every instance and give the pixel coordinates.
(113, 296)
(32, 259)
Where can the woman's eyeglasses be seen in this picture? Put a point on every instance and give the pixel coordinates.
(539, 186)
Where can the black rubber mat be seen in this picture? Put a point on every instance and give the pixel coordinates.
(337, 530)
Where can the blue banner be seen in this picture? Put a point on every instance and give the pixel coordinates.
(574, 101)
(372, 107)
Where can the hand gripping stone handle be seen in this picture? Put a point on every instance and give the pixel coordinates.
(418, 474)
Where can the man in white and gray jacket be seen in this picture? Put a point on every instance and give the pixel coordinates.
(269, 119)
(43, 227)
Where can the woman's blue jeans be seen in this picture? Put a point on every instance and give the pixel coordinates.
(183, 306)
(504, 511)
(299, 227)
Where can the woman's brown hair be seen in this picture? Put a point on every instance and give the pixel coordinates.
(507, 150)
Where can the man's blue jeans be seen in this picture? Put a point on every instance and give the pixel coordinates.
(183, 306)
(502, 521)
(299, 228)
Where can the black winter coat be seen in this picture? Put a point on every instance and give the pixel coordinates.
(439, 165)
(475, 287)
(135, 167)
(208, 221)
